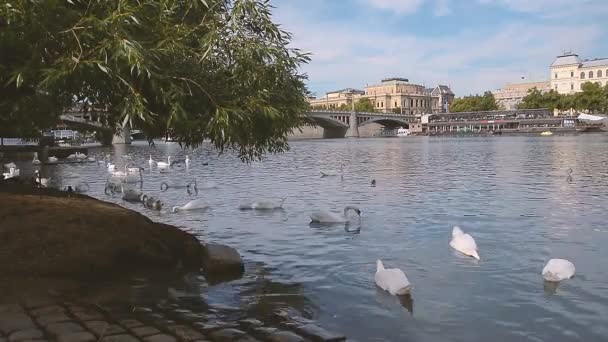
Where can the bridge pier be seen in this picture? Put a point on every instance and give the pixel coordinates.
(123, 136)
(353, 129)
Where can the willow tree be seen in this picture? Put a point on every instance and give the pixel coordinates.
(195, 69)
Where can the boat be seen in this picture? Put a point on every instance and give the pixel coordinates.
(546, 133)
(403, 132)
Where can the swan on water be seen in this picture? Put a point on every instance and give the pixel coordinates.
(12, 172)
(111, 167)
(44, 182)
(151, 161)
(163, 165)
(36, 161)
(187, 160)
(326, 216)
(52, 159)
(9, 165)
(557, 270)
(151, 202)
(131, 195)
(71, 156)
(392, 280)
(464, 243)
(197, 204)
(263, 205)
(332, 173)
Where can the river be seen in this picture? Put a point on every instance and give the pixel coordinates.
(512, 193)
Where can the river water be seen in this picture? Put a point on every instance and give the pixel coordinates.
(512, 193)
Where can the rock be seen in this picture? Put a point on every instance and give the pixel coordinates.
(284, 336)
(48, 310)
(100, 328)
(227, 335)
(207, 327)
(29, 334)
(145, 331)
(221, 260)
(317, 333)
(58, 329)
(185, 333)
(88, 315)
(113, 234)
(45, 320)
(251, 323)
(119, 338)
(10, 308)
(76, 337)
(15, 321)
(36, 302)
(131, 323)
(160, 338)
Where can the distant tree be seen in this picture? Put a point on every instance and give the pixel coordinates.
(364, 105)
(473, 103)
(533, 100)
(198, 69)
(592, 98)
(344, 107)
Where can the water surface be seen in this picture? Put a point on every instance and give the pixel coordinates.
(512, 193)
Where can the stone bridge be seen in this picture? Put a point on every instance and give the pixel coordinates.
(338, 124)
(77, 120)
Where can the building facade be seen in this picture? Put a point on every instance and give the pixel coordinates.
(512, 94)
(569, 72)
(391, 95)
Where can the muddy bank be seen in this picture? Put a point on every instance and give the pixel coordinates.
(47, 232)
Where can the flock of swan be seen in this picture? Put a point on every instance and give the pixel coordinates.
(392, 280)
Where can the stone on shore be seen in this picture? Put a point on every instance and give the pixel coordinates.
(81, 236)
(222, 260)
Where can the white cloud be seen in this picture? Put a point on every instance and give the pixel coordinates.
(397, 6)
(442, 8)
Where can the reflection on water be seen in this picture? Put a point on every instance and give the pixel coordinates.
(513, 194)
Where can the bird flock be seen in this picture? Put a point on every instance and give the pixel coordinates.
(392, 280)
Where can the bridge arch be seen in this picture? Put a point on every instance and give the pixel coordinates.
(385, 121)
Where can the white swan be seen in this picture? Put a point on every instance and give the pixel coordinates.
(558, 269)
(52, 159)
(325, 216)
(197, 204)
(262, 205)
(163, 165)
(12, 172)
(36, 161)
(111, 167)
(81, 156)
(72, 156)
(333, 173)
(464, 243)
(9, 165)
(44, 182)
(392, 280)
(151, 161)
(187, 160)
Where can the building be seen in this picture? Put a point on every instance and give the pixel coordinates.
(512, 94)
(569, 72)
(392, 95)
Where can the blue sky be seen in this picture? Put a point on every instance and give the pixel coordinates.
(471, 45)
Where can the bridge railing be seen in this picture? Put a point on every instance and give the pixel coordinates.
(358, 113)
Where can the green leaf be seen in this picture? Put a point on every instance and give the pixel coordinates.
(19, 80)
(103, 68)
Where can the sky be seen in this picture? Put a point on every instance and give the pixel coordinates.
(470, 45)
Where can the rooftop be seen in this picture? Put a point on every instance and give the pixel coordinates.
(566, 59)
(595, 62)
(347, 91)
(398, 79)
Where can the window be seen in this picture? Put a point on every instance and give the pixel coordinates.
(382, 104)
(590, 74)
(582, 75)
(411, 102)
(395, 104)
(571, 86)
(556, 87)
(378, 104)
(416, 102)
(599, 73)
(571, 73)
(555, 75)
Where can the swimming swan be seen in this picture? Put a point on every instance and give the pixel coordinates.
(332, 173)
(163, 165)
(36, 161)
(464, 243)
(325, 216)
(52, 159)
(558, 269)
(392, 280)
(197, 204)
(151, 161)
(263, 205)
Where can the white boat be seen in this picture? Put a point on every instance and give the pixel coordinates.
(403, 132)
(545, 133)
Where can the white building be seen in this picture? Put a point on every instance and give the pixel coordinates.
(569, 72)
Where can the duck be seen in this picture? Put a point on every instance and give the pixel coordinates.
(326, 216)
(263, 205)
(197, 204)
(373, 182)
(558, 269)
(52, 159)
(332, 173)
(131, 195)
(392, 280)
(163, 165)
(152, 203)
(464, 243)
(36, 161)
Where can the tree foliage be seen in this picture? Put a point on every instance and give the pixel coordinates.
(592, 98)
(194, 69)
(364, 105)
(473, 103)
